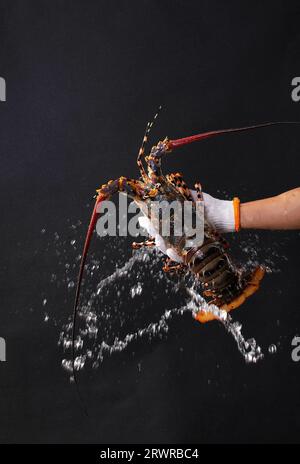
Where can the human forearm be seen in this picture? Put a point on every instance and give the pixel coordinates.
(279, 212)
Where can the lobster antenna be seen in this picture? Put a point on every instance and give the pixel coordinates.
(77, 294)
(204, 135)
(153, 120)
(145, 140)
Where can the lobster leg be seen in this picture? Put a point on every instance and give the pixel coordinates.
(133, 188)
(177, 180)
(198, 189)
(146, 243)
(172, 266)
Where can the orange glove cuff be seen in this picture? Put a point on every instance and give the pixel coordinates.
(237, 214)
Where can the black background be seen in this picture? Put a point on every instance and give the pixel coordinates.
(82, 80)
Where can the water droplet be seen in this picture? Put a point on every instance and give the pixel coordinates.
(71, 284)
(78, 343)
(93, 330)
(67, 343)
(136, 290)
(67, 365)
(79, 363)
(44, 301)
(272, 349)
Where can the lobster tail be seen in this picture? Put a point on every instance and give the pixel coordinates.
(223, 284)
(249, 286)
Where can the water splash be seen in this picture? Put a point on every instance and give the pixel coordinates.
(123, 307)
(108, 318)
(248, 348)
(112, 318)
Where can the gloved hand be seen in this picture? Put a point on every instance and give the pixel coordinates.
(223, 215)
(145, 223)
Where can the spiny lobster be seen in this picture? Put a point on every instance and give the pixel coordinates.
(223, 284)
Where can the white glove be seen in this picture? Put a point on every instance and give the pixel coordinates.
(145, 223)
(219, 213)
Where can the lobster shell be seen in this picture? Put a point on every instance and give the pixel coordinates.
(223, 284)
